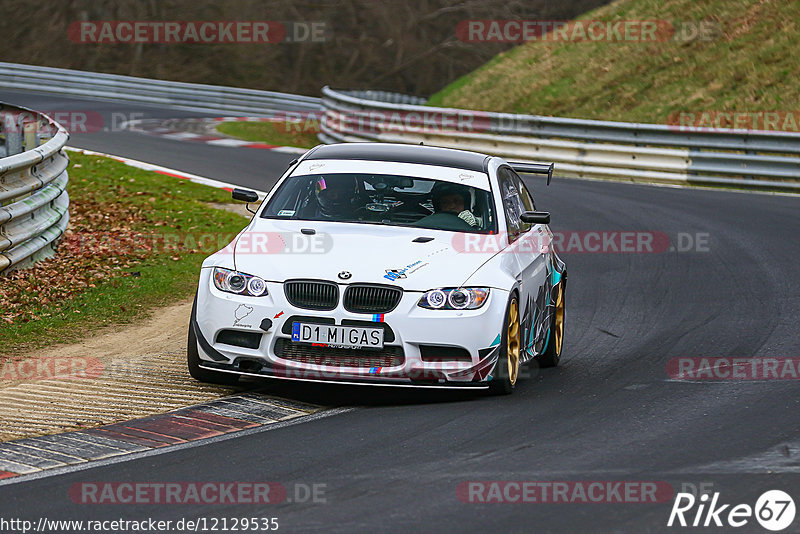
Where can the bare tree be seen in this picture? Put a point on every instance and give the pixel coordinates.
(408, 46)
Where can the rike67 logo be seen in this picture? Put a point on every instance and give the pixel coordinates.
(774, 510)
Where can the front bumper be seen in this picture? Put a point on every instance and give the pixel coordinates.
(412, 335)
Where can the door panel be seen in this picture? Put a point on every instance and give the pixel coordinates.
(526, 244)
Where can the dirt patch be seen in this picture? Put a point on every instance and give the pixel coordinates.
(116, 375)
(237, 208)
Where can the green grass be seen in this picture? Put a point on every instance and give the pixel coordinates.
(85, 287)
(750, 63)
(281, 133)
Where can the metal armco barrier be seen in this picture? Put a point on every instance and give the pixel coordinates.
(198, 97)
(34, 204)
(579, 147)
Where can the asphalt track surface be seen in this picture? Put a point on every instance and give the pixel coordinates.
(610, 412)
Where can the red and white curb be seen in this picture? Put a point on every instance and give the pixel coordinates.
(166, 171)
(181, 130)
(215, 419)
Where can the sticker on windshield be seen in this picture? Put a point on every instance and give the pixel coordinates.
(285, 213)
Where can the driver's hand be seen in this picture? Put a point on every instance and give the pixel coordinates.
(468, 218)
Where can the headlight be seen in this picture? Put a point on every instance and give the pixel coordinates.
(456, 298)
(239, 283)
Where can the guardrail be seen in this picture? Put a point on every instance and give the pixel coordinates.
(579, 147)
(34, 204)
(193, 96)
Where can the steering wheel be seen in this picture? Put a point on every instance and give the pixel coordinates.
(419, 208)
(444, 221)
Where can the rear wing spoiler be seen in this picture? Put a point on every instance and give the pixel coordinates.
(534, 168)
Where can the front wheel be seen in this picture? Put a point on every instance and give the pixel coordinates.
(506, 370)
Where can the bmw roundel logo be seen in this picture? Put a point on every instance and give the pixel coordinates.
(345, 275)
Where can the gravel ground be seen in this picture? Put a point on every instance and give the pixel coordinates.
(116, 375)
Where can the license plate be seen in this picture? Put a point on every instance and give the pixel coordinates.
(338, 336)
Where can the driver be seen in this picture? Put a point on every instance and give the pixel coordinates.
(336, 197)
(452, 198)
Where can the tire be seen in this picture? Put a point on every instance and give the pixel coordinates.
(555, 334)
(197, 372)
(506, 370)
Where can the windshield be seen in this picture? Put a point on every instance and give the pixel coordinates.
(383, 199)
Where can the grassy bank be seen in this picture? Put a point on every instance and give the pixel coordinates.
(272, 133)
(729, 55)
(135, 242)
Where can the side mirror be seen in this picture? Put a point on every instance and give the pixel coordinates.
(245, 195)
(535, 217)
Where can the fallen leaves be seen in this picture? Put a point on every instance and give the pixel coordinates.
(103, 244)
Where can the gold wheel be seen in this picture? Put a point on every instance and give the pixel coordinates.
(559, 321)
(512, 342)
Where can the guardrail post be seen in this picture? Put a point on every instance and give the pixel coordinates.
(13, 133)
(750, 176)
(30, 131)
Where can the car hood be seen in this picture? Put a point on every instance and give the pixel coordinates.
(279, 250)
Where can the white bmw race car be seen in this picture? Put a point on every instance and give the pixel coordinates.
(385, 264)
